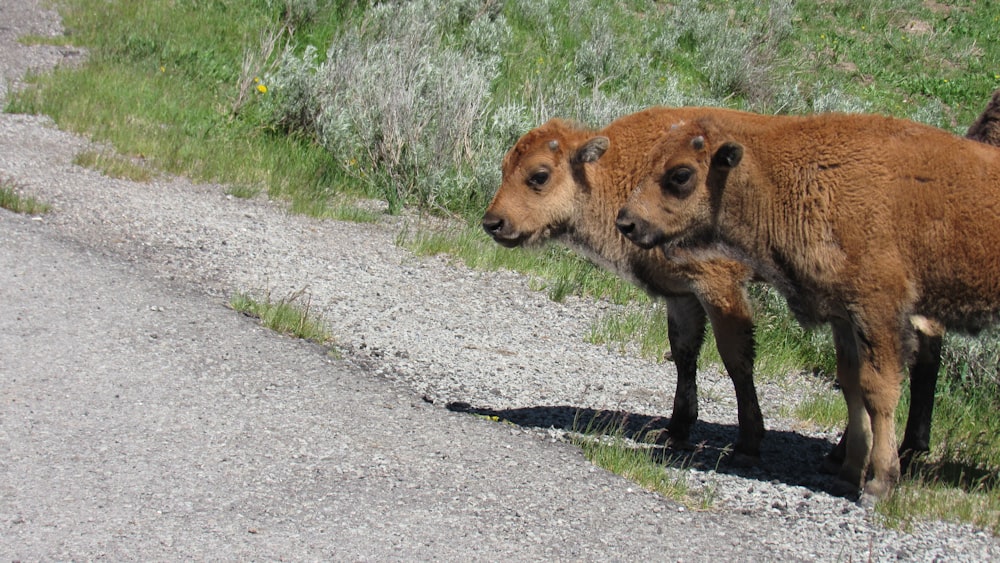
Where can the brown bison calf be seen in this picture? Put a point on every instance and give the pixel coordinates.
(868, 223)
(567, 183)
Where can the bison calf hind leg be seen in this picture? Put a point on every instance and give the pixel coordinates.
(923, 381)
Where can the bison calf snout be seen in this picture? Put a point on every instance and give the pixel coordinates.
(501, 230)
(636, 230)
(625, 224)
(492, 224)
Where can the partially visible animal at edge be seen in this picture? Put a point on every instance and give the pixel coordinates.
(986, 128)
(875, 225)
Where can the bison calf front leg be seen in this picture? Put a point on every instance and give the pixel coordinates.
(686, 331)
(733, 329)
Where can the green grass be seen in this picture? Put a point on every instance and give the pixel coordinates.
(936, 61)
(552, 269)
(929, 498)
(160, 81)
(115, 166)
(607, 446)
(286, 316)
(12, 200)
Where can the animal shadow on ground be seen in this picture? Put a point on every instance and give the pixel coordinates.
(787, 457)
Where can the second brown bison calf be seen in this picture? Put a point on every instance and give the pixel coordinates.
(868, 223)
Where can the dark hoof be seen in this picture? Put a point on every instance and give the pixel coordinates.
(909, 460)
(676, 444)
(740, 459)
(839, 487)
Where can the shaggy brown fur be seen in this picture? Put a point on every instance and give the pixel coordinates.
(567, 183)
(866, 222)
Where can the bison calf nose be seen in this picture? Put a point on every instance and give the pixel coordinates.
(625, 224)
(492, 224)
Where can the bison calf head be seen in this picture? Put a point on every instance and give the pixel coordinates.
(537, 196)
(675, 203)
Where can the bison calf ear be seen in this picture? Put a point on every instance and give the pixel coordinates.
(591, 151)
(728, 155)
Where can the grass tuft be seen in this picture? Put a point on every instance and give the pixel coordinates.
(115, 166)
(643, 327)
(607, 445)
(929, 495)
(12, 200)
(243, 191)
(286, 315)
(340, 210)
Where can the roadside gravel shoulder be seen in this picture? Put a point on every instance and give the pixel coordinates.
(446, 335)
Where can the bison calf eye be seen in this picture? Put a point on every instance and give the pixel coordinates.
(680, 176)
(678, 182)
(538, 179)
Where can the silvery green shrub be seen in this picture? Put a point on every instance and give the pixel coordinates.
(737, 53)
(973, 360)
(292, 105)
(401, 102)
(830, 98)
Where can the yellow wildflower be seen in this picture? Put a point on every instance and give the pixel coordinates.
(262, 89)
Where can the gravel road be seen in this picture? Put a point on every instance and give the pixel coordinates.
(141, 419)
